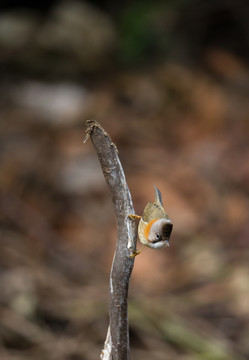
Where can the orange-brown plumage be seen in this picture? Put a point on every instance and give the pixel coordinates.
(148, 227)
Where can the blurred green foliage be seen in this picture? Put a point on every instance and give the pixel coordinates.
(147, 30)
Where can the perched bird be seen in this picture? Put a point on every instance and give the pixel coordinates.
(155, 226)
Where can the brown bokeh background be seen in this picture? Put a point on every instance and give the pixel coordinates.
(169, 82)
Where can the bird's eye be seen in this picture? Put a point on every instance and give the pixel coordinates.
(157, 236)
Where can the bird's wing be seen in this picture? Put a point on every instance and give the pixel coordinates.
(153, 211)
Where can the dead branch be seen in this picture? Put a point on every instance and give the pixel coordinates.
(117, 341)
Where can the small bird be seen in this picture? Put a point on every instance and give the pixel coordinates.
(155, 226)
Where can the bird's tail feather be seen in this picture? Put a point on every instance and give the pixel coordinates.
(158, 196)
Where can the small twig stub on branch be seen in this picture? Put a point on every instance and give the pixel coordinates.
(117, 341)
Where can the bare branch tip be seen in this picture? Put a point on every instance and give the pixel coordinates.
(90, 124)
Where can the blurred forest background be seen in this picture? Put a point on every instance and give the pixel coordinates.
(169, 81)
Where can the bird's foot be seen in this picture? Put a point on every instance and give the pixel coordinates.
(134, 217)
